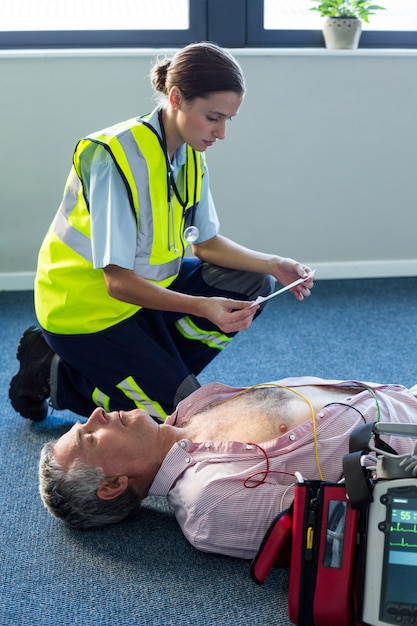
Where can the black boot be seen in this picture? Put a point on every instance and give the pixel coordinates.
(30, 387)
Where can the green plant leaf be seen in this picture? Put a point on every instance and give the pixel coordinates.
(360, 9)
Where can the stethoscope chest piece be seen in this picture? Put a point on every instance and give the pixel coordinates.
(191, 234)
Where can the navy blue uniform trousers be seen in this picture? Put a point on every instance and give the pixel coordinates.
(152, 359)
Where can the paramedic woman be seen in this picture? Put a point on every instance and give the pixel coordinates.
(126, 321)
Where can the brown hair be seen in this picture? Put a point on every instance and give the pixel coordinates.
(198, 70)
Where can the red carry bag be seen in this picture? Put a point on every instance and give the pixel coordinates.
(323, 558)
(302, 569)
(275, 548)
(337, 553)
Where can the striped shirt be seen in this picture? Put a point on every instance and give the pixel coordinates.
(209, 483)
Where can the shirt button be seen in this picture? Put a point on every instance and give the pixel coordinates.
(292, 437)
(248, 446)
(182, 444)
(321, 414)
(187, 459)
(207, 444)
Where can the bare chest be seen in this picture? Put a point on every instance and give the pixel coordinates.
(261, 414)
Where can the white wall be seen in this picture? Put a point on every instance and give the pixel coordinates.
(320, 164)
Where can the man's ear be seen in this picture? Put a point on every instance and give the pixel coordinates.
(112, 487)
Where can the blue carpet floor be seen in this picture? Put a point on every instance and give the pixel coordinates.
(143, 572)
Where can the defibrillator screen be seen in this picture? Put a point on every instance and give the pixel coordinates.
(400, 554)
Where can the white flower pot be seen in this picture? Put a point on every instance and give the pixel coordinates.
(342, 32)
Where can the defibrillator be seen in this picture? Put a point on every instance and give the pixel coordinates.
(351, 546)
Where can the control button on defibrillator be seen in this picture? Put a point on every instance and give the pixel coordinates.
(394, 611)
(406, 611)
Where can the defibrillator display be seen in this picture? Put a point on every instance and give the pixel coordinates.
(399, 581)
(390, 590)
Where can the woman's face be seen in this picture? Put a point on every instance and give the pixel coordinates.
(200, 122)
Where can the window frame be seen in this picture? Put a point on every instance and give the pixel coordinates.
(229, 23)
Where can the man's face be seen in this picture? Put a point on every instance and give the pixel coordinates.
(122, 443)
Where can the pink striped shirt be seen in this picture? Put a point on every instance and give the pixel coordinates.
(205, 481)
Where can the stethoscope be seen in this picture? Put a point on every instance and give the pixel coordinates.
(191, 232)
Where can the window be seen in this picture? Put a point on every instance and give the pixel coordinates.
(60, 23)
(30, 15)
(297, 15)
(173, 23)
(292, 23)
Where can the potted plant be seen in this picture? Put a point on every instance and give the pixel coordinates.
(342, 27)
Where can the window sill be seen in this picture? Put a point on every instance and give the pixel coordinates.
(250, 52)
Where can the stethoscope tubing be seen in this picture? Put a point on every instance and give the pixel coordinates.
(191, 232)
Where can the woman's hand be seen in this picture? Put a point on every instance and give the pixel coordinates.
(231, 316)
(224, 252)
(287, 271)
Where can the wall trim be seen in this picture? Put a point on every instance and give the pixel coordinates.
(71, 53)
(23, 281)
(365, 269)
(17, 281)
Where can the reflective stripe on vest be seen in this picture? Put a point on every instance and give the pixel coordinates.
(148, 202)
(101, 399)
(70, 295)
(82, 246)
(132, 390)
(212, 338)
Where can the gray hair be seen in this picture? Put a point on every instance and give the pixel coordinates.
(72, 495)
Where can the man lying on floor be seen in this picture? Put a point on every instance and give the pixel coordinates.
(225, 459)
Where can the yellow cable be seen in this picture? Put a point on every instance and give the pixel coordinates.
(297, 393)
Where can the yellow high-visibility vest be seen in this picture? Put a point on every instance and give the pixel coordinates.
(70, 295)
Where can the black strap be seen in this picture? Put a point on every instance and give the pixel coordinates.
(361, 435)
(357, 479)
(358, 484)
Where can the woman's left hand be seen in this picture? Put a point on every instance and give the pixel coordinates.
(287, 271)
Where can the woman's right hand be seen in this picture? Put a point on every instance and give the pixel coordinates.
(231, 316)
